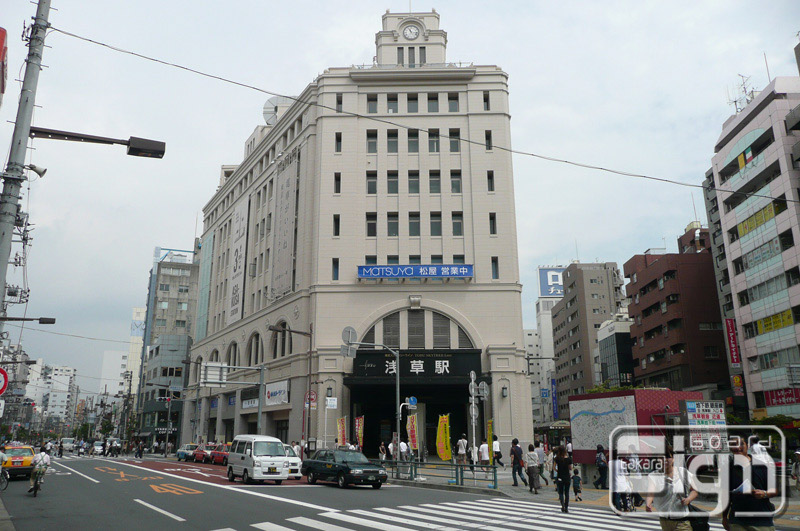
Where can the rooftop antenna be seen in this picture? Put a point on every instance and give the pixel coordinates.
(693, 208)
(577, 256)
(769, 78)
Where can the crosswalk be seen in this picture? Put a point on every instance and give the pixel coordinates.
(490, 514)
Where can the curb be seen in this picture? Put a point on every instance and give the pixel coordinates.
(440, 486)
(5, 519)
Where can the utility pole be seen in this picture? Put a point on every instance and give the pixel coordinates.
(14, 175)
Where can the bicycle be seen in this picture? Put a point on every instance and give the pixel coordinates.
(3, 480)
(38, 474)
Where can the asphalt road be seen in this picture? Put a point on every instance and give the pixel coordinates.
(97, 493)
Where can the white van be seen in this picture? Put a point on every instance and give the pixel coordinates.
(257, 457)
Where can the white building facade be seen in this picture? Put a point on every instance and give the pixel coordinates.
(551, 289)
(387, 206)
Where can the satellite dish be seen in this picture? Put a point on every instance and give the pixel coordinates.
(271, 108)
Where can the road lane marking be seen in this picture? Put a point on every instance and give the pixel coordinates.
(269, 526)
(162, 511)
(79, 473)
(407, 521)
(308, 522)
(172, 488)
(364, 522)
(234, 489)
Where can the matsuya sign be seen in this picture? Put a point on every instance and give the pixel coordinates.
(415, 271)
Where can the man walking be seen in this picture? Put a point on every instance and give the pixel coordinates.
(461, 450)
(517, 463)
(540, 454)
(749, 507)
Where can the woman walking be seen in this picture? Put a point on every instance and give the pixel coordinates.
(532, 461)
(563, 472)
(602, 467)
(550, 467)
(382, 452)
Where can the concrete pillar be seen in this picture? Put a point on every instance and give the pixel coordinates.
(220, 428)
(203, 420)
(237, 416)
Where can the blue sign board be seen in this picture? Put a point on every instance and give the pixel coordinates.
(232, 400)
(416, 271)
(545, 393)
(555, 401)
(551, 281)
(412, 400)
(214, 403)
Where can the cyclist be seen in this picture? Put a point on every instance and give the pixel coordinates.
(40, 463)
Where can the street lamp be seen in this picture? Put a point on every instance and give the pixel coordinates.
(137, 147)
(42, 320)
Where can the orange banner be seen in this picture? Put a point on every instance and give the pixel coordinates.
(411, 428)
(360, 432)
(341, 424)
(443, 438)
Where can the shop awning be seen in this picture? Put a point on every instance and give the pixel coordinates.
(144, 433)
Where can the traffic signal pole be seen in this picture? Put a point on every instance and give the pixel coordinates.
(14, 174)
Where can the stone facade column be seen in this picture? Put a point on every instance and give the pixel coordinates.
(220, 428)
(205, 404)
(237, 416)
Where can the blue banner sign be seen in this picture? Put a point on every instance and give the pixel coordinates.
(545, 393)
(551, 281)
(416, 271)
(555, 400)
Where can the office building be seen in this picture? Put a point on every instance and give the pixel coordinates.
(616, 354)
(551, 289)
(405, 232)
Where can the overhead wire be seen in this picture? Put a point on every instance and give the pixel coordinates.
(404, 126)
(71, 335)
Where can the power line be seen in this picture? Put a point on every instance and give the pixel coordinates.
(71, 335)
(403, 126)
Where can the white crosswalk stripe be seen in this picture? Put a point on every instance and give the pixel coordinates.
(490, 514)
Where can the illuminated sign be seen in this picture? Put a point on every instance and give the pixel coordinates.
(416, 271)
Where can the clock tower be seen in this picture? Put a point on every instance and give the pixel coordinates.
(411, 40)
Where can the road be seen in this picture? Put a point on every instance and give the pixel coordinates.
(106, 493)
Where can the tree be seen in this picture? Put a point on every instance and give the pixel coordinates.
(606, 388)
(106, 428)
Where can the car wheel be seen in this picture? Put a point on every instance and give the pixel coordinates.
(205, 460)
(224, 461)
(311, 478)
(278, 481)
(376, 486)
(245, 477)
(341, 481)
(231, 477)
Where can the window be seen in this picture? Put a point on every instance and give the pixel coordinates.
(183, 306)
(416, 329)
(372, 224)
(392, 224)
(452, 102)
(336, 224)
(337, 183)
(372, 141)
(437, 259)
(335, 269)
(163, 287)
(415, 259)
(490, 181)
(393, 259)
(370, 259)
(339, 103)
(411, 57)
(391, 141)
(422, 55)
(492, 223)
(400, 58)
(711, 352)
(391, 182)
(458, 259)
(455, 181)
(413, 223)
(372, 103)
(180, 324)
(433, 141)
(183, 289)
(434, 182)
(441, 331)
(436, 223)
(413, 103)
(372, 182)
(391, 330)
(488, 135)
(413, 182)
(161, 322)
(163, 305)
(486, 105)
(338, 146)
(455, 140)
(391, 103)
(495, 268)
(433, 103)
(413, 141)
(458, 224)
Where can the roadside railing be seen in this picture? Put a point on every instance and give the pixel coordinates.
(441, 472)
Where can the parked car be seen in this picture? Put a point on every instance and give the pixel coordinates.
(184, 453)
(69, 444)
(345, 467)
(203, 453)
(20, 460)
(257, 457)
(294, 462)
(220, 455)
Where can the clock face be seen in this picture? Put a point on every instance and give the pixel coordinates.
(411, 32)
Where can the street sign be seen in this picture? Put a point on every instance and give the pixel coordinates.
(3, 380)
(412, 407)
(2, 407)
(484, 389)
(545, 393)
(472, 388)
(349, 335)
(176, 388)
(412, 401)
(473, 411)
(331, 403)
(348, 351)
(311, 399)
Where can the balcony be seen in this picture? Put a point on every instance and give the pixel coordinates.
(793, 120)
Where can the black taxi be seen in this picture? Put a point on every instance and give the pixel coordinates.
(345, 467)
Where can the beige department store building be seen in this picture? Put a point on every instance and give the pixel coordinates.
(379, 199)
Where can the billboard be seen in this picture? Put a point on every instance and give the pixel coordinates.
(416, 271)
(733, 344)
(285, 213)
(237, 263)
(592, 420)
(551, 281)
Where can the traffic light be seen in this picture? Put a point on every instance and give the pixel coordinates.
(163, 399)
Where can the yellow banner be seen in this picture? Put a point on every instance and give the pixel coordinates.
(360, 431)
(341, 424)
(489, 438)
(443, 438)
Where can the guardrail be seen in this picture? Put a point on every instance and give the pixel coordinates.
(441, 472)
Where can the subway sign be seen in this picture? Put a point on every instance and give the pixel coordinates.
(416, 271)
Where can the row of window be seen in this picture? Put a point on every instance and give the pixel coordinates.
(414, 224)
(775, 360)
(413, 101)
(770, 287)
(415, 260)
(163, 305)
(413, 143)
(772, 322)
(181, 288)
(413, 182)
(179, 323)
(759, 218)
(764, 252)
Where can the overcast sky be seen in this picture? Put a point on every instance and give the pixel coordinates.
(637, 86)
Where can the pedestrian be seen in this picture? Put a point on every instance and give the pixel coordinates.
(796, 469)
(60, 449)
(634, 466)
(540, 454)
(403, 450)
(498, 455)
(670, 494)
(563, 465)
(170, 446)
(748, 496)
(602, 467)
(620, 487)
(517, 462)
(533, 470)
(569, 448)
(391, 451)
(483, 456)
(382, 452)
(461, 450)
(351, 446)
(298, 451)
(577, 484)
(48, 447)
(550, 466)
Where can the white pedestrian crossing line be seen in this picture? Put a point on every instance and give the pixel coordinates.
(308, 522)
